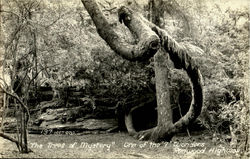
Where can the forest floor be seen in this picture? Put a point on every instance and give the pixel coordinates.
(118, 145)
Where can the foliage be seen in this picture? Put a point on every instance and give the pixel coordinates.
(19, 62)
(71, 54)
(222, 32)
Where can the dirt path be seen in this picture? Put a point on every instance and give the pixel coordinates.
(116, 145)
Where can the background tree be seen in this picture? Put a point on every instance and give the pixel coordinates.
(20, 51)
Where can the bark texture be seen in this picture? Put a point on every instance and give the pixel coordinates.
(181, 58)
(148, 41)
(150, 37)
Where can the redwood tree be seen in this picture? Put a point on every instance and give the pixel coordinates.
(152, 41)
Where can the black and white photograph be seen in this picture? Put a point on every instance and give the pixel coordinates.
(166, 79)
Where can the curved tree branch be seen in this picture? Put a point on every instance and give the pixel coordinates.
(26, 121)
(148, 41)
(148, 35)
(7, 137)
(181, 58)
(19, 101)
(179, 54)
(10, 139)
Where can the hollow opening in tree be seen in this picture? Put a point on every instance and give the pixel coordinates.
(145, 117)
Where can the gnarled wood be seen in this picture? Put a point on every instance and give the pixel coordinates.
(179, 55)
(148, 34)
(148, 41)
(181, 58)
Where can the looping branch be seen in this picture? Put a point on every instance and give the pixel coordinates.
(150, 38)
(148, 43)
(180, 56)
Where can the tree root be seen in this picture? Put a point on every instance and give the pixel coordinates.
(156, 134)
(144, 135)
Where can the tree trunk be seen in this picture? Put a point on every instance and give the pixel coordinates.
(164, 111)
(150, 37)
(162, 78)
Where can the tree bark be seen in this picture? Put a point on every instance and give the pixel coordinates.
(150, 36)
(164, 111)
(148, 41)
(24, 119)
(182, 60)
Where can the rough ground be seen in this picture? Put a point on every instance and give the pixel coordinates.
(117, 145)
